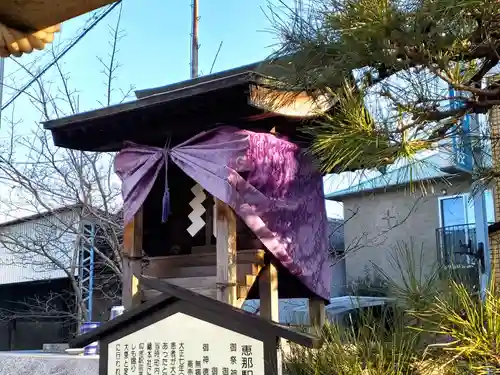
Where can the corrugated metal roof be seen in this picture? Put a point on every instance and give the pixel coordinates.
(25, 218)
(430, 167)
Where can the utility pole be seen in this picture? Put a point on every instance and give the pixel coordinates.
(194, 41)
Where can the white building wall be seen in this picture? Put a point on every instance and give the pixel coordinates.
(39, 249)
(377, 223)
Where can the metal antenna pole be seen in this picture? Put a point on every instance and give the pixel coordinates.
(194, 41)
(87, 267)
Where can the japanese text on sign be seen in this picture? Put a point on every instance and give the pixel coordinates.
(198, 348)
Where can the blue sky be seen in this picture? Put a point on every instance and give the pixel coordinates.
(156, 47)
(154, 51)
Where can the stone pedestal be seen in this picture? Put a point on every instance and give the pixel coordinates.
(47, 364)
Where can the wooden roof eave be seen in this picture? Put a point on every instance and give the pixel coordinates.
(34, 15)
(114, 117)
(262, 95)
(85, 118)
(249, 70)
(120, 120)
(290, 104)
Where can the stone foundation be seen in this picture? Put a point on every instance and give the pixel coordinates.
(47, 364)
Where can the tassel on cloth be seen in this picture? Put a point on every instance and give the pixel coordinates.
(166, 205)
(166, 194)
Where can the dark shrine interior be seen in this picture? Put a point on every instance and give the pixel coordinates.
(172, 237)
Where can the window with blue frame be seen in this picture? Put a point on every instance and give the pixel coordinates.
(453, 211)
(457, 226)
(459, 209)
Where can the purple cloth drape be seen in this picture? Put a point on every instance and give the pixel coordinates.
(269, 182)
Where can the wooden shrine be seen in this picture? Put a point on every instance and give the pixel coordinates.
(203, 247)
(182, 332)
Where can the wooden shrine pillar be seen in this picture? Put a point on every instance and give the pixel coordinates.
(316, 313)
(269, 308)
(225, 233)
(132, 261)
(268, 292)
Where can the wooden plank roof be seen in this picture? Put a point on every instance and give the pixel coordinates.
(165, 94)
(242, 97)
(180, 107)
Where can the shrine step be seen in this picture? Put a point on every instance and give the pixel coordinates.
(160, 266)
(206, 285)
(208, 292)
(198, 284)
(198, 271)
(203, 249)
(193, 282)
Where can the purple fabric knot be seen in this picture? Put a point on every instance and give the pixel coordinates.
(269, 182)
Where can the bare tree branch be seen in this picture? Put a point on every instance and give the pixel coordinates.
(41, 179)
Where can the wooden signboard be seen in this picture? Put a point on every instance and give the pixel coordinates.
(34, 15)
(182, 332)
(151, 350)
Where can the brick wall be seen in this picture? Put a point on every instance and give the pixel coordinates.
(495, 144)
(495, 252)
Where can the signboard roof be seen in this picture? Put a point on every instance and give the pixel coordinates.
(179, 300)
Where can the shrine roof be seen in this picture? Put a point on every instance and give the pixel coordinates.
(235, 97)
(215, 79)
(181, 108)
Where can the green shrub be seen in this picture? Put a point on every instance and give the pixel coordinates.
(372, 348)
(438, 326)
(471, 326)
(371, 285)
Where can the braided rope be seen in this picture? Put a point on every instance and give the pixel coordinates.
(16, 43)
